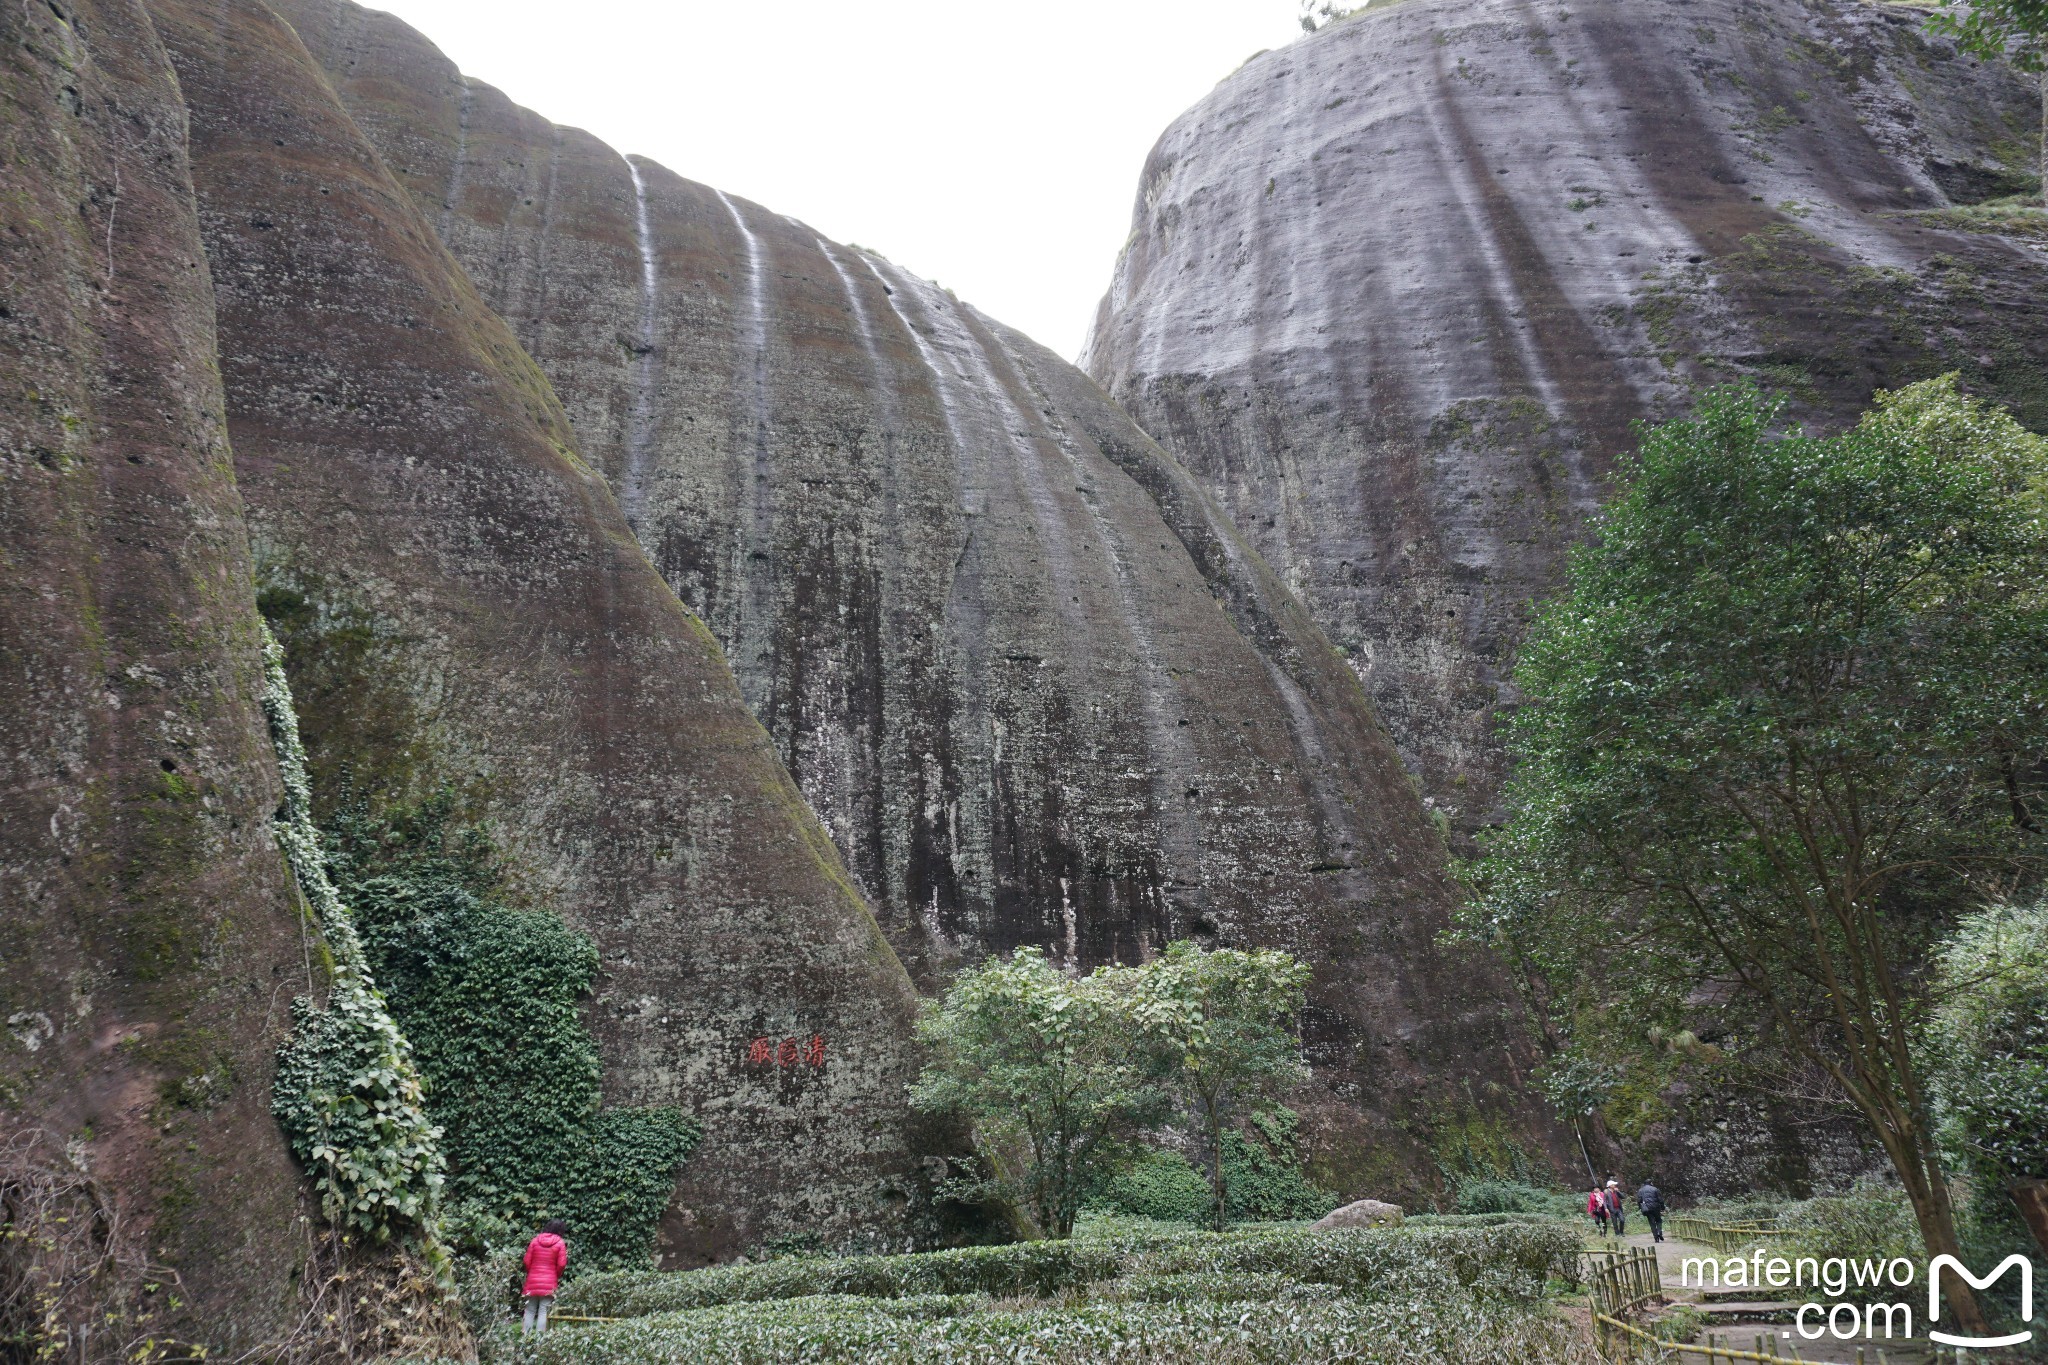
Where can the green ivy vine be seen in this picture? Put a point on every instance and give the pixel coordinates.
(490, 992)
(347, 1093)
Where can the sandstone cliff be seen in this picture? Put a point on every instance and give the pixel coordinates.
(410, 478)
(1037, 686)
(1396, 293)
(148, 938)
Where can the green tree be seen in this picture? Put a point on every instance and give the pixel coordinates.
(1785, 717)
(1223, 1020)
(1990, 1045)
(2009, 30)
(1046, 1066)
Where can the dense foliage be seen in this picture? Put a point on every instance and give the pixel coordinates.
(1990, 1039)
(1045, 1066)
(1383, 1295)
(1262, 1172)
(1514, 1196)
(1221, 1018)
(1789, 713)
(490, 996)
(347, 1091)
(1060, 1073)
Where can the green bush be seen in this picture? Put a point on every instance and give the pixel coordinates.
(1261, 1168)
(1509, 1196)
(1477, 1220)
(1991, 1058)
(1157, 1184)
(348, 1089)
(1733, 1211)
(1872, 1221)
(1197, 1333)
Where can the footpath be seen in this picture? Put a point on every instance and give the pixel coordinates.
(1753, 1319)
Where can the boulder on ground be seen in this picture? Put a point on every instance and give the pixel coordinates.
(1363, 1213)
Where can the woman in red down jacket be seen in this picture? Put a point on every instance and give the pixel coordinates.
(547, 1256)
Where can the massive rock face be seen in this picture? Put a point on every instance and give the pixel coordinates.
(1038, 687)
(411, 483)
(148, 938)
(1396, 293)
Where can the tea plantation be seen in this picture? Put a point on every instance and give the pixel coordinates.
(1264, 1293)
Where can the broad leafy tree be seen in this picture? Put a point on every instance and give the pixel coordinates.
(1786, 721)
(1049, 1069)
(1223, 1020)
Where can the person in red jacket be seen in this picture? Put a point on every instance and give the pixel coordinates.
(1596, 1205)
(547, 1256)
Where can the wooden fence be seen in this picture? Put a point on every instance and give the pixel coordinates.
(1725, 1238)
(1620, 1282)
(1626, 1344)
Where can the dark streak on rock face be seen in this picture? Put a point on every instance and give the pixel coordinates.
(1036, 685)
(400, 450)
(148, 939)
(1396, 293)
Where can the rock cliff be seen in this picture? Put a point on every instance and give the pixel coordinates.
(148, 939)
(480, 614)
(1036, 684)
(1396, 293)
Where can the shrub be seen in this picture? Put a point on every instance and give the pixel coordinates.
(1262, 1170)
(1991, 1064)
(1158, 1184)
(1872, 1221)
(1509, 1196)
(1477, 1220)
(1262, 1173)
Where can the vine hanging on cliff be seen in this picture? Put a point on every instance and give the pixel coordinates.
(347, 1093)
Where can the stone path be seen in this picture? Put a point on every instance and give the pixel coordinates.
(1741, 1316)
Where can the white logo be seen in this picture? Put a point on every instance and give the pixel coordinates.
(1934, 1299)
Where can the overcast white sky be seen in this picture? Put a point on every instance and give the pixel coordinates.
(993, 147)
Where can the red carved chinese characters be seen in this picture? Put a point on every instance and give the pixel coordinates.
(789, 1052)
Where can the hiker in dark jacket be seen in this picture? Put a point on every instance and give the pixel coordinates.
(1651, 1201)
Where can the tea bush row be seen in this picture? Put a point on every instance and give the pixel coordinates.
(1512, 1259)
(1444, 1331)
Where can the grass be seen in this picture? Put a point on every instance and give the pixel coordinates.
(2019, 215)
(1412, 1296)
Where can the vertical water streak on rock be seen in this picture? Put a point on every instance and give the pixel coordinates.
(966, 642)
(1168, 748)
(896, 701)
(752, 627)
(453, 198)
(1478, 231)
(640, 431)
(527, 271)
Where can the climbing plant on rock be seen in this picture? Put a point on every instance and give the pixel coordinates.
(347, 1092)
(490, 994)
